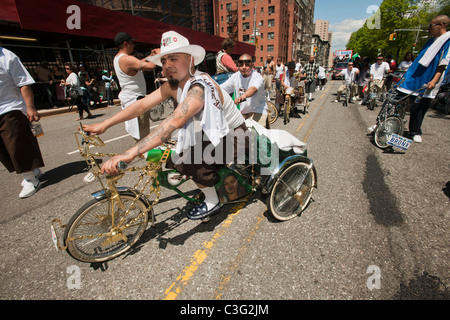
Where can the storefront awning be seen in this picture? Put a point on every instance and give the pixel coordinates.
(80, 19)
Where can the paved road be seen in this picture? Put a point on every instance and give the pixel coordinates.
(377, 228)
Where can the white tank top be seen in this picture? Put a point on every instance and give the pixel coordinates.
(131, 86)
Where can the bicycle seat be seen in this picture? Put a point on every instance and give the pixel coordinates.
(283, 139)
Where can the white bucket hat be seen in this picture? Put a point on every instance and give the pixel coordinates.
(173, 42)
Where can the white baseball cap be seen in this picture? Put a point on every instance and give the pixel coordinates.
(173, 42)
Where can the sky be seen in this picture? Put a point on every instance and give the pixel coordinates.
(345, 17)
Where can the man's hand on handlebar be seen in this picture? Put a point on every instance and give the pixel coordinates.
(95, 128)
(112, 165)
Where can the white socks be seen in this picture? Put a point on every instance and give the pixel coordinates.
(211, 198)
(29, 176)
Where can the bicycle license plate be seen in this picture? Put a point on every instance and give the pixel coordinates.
(399, 142)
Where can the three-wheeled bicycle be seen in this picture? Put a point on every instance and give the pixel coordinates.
(114, 220)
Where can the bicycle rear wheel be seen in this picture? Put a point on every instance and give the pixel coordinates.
(272, 112)
(292, 192)
(392, 125)
(90, 235)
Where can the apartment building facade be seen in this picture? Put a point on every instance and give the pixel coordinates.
(281, 28)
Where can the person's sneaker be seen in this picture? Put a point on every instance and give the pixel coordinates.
(29, 188)
(417, 138)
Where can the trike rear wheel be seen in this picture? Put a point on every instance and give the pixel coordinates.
(391, 125)
(90, 235)
(292, 191)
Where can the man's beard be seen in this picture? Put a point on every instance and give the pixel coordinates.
(173, 83)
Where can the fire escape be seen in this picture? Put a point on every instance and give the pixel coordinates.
(233, 24)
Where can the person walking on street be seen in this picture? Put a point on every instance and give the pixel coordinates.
(107, 80)
(129, 71)
(427, 69)
(311, 71)
(73, 82)
(19, 148)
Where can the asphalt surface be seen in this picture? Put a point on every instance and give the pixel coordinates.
(377, 227)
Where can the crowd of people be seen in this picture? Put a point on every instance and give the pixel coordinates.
(199, 99)
(428, 69)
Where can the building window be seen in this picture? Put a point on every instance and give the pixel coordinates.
(246, 38)
(246, 25)
(271, 23)
(246, 13)
(271, 10)
(270, 36)
(262, 48)
(270, 48)
(228, 6)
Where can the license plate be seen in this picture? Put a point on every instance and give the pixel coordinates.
(399, 142)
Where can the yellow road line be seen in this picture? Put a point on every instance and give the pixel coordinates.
(225, 278)
(200, 256)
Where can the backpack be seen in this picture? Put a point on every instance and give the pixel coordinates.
(210, 64)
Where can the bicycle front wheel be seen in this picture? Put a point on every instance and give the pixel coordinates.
(272, 112)
(90, 235)
(392, 125)
(292, 192)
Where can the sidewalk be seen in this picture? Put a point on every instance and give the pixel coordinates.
(60, 110)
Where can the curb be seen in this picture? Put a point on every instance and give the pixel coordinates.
(51, 112)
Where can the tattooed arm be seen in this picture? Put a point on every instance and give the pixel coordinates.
(190, 106)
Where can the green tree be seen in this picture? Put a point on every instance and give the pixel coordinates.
(395, 14)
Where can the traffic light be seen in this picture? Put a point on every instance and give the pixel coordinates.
(394, 36)
(414, 46)
(391, 37)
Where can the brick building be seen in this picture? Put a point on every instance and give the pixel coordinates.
(282, 28)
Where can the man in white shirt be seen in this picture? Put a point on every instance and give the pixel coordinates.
(19, 148)
(248, 87)
(129, 71)
(377, 72)
(321, 78)
(350, 77)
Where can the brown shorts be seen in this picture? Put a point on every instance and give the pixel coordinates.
(19, 149)
(203, 164)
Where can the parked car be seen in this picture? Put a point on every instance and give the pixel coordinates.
(337, 69)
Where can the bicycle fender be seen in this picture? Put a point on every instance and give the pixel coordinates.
(284, 165)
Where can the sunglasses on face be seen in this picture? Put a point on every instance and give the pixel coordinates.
(433, 25)
(246, 62)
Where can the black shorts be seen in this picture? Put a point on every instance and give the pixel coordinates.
(19, 148)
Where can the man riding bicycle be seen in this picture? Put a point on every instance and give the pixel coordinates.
(289, 80)
(349, 78)
(202, 104)
(378, 71)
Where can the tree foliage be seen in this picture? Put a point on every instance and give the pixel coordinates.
(395, 14)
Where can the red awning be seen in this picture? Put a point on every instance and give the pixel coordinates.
(95, 22)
